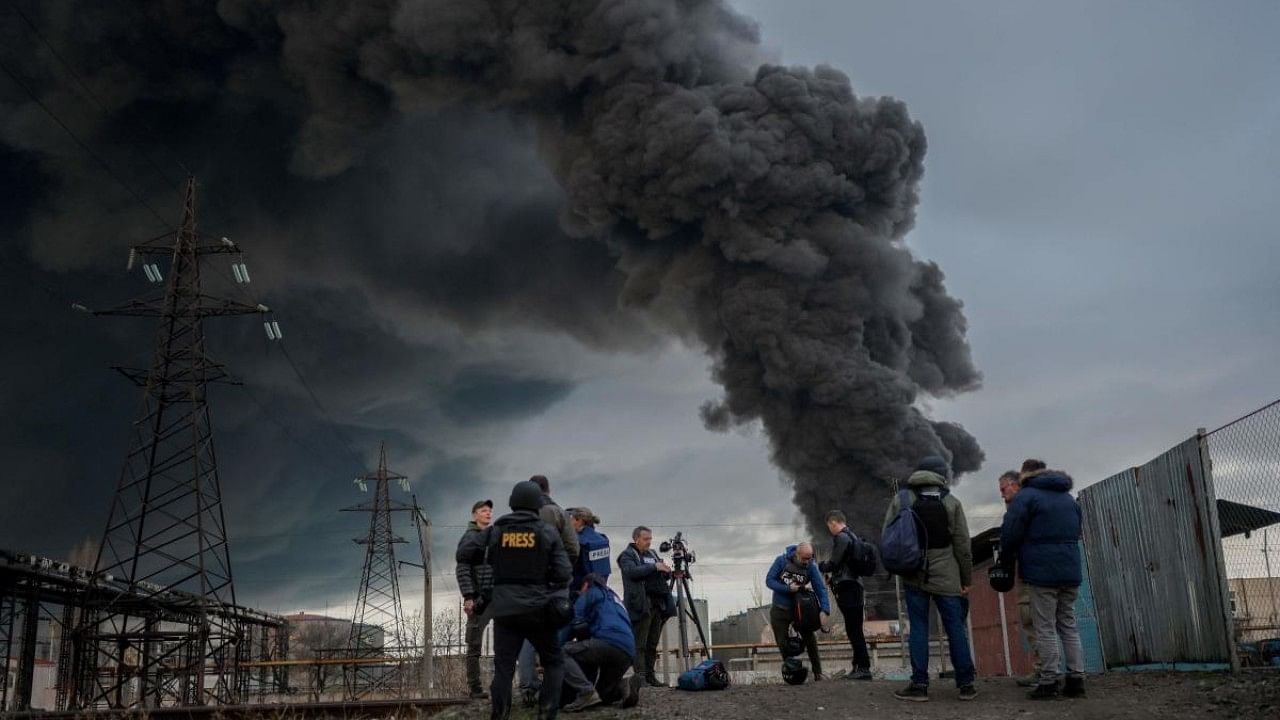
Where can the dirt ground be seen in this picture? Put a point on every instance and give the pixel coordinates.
(1115, 695)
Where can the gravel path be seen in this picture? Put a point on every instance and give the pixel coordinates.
(1164, 696)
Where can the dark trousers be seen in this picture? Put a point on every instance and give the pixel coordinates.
(953, 610)
(648, 632)
(780, 620)
(509, 633)
(849, 600)
(595, 664)
(474, 638)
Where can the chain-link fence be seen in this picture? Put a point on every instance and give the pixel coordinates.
(1245, 457)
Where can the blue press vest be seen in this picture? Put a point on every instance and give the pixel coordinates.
(593, 555)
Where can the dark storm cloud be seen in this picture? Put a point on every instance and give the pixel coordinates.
(597, 168)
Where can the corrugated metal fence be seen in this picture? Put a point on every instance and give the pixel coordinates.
(1151, 538)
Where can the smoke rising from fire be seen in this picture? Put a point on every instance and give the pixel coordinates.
(757, 210)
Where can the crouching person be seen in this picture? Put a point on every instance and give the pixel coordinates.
(595, 663)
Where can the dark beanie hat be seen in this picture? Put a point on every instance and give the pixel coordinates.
(526, 496)
(934, 464)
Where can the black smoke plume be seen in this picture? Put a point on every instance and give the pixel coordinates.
(684, 189)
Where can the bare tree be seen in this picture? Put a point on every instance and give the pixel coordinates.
(448, 629)
(757, 591)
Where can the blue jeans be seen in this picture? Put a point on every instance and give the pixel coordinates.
(953, 610)
(527, 667)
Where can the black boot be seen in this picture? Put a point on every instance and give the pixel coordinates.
(1044, 692)
(1074, 687)
(633, 691)
(651, 677)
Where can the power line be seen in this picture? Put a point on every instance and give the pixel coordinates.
(333, 426)
(302, 380)
(94, 98)
(288, 432)
(83, 146)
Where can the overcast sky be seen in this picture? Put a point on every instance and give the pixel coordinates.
(1095, 191)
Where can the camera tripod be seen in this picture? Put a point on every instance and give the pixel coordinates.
(685, 609)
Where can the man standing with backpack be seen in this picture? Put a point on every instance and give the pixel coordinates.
(796, 585)
(847, 565)
(926, 541)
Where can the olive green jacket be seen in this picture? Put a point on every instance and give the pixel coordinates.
(947, 569)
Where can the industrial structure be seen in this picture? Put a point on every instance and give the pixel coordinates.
(155, 622)
(378, 638)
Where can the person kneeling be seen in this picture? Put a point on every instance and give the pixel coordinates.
(605, 648)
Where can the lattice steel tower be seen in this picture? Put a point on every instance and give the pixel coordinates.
(168, 639)
(377, 626)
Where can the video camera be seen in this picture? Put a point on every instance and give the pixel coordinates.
(680, 552)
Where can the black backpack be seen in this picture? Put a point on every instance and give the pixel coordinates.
(932, 512)
(808, 611)
(861, 556)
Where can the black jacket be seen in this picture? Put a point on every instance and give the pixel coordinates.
(555, 516)
(838, 565)
(474, 579)
(641, 581)
(517, 599)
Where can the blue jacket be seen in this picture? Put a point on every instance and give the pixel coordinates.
(593, 556)
(601, 613)
(782, 596)
(1042, 530)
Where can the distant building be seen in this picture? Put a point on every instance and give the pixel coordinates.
(671, 631)
(746, 627)
(43, 680)
(310, 633)
(1255, 607)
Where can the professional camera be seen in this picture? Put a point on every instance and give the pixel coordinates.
(680, 552)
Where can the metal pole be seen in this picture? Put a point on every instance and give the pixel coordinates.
(1271, 588)
(682, 625)
(902, 638)
(428, 651)
(666, 656)
(1004, 635)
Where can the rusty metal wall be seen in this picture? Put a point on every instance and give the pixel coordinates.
(1151, 537)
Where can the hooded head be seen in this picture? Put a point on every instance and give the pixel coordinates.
(526, 496)
(935, 464)
(1051, 480)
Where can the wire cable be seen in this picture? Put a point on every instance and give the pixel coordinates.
(83, 146)
(84, 87)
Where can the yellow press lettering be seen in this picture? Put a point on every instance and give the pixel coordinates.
(519, 540)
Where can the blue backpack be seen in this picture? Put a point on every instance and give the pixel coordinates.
(706, 675)
(903, 543)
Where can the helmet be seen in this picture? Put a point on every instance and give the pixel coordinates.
(794, 672)
(794, 647)
(1001, 578)
(526, 495)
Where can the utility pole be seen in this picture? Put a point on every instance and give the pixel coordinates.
(165, 543)
(378, 621)
(423, 525)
